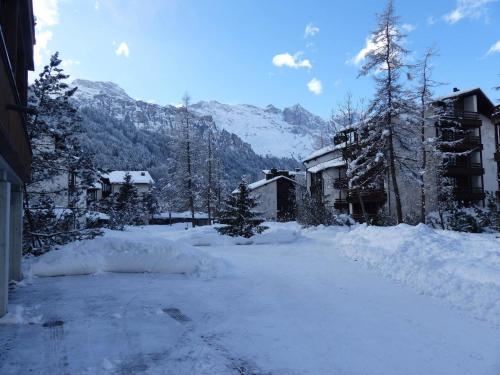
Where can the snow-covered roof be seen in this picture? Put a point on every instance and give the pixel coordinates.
(458, 93)
(335, 163)
(260, 183)
(138, 177)
(324, 151)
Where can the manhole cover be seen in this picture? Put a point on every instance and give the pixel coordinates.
(176, 314)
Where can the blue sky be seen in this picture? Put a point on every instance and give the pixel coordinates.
(262, 51)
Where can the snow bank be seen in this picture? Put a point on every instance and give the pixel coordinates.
(462, 268)
(115, 254)
(275, 234)
(17, 315)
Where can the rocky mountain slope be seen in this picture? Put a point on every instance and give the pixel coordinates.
(124, 133)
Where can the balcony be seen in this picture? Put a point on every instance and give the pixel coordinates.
(469, 194)
(456, 169)
(461, 142)
(496, 115)
(375, 196)
(340, 183)
(341, 204)
(465, 119)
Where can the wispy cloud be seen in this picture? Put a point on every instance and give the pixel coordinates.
(311, 30)
(495, 48)
(408, 27)
(97, 5)
(47, 16)
(370, 46)
(315, 86)
(123, 50)
(373, 42)
(431, 20)
(291, 61)
(472, 9)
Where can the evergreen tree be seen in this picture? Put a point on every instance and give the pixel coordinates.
(127, 205)
(391, 102)
(61, 170)
(238, 215)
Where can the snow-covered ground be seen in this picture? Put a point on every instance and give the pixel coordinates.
(401, 300)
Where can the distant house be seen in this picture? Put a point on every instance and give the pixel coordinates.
(142, 180)
(17, 37)
(275, 194)
(110, 183)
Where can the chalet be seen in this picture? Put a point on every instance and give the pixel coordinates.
(142, 180)
(17, 37)
(275, 194)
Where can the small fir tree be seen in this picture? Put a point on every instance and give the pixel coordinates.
(238, 215)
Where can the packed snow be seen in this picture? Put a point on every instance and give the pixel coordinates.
(326, 300)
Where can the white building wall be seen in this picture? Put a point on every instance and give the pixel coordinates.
(267, 200)
(489, 164)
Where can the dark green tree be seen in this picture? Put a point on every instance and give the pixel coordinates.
(238, 215)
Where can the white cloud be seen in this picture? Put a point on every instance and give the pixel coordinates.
(97, 5)
(472, 9)
(123, 50)
(315, 86)
(373, 42)
(285, 59)
(361, 55)
(408, 28)
(46, 12)
(69, 62)
(311, 30)
(431, 20)
(47, 16)
(495, 48)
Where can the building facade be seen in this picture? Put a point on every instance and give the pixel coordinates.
(17, 37)
(470, 129)
(275, 194)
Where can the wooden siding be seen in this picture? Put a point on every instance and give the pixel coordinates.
(16, 58)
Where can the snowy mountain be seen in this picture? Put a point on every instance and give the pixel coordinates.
(128, 134)
(270, 131)
(294, 127)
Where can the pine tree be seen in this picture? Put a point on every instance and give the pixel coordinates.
(127, 203)
(61, 171)
(238, 215)
(391, 102)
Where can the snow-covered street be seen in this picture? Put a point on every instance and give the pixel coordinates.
(291, 302)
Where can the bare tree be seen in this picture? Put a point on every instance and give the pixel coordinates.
(425, 97)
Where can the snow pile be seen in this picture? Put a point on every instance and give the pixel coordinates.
(17, 315)
(275, 234)
(118, 254)
(462, 268)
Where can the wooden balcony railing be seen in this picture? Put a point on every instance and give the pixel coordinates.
(464, 118)
(340, 183)
(367, 196)
(456, 168)
(469, 194)
(341, 204)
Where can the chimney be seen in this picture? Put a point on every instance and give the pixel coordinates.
(456, 89)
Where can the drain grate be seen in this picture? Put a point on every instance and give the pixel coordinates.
(177, 314)
(53, 323)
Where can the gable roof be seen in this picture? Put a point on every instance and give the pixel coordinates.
(334, 163)
(484, 103)
(263, 182)
(323, 151)
(138, 177)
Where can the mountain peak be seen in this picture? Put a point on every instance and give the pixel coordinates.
(92, 88)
